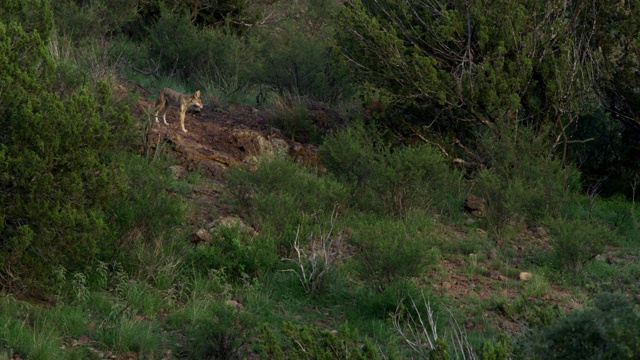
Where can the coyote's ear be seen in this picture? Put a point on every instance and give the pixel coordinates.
(197, 94)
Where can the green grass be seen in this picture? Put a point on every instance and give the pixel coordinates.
(167, 287)
(394, 211)
(157, 293)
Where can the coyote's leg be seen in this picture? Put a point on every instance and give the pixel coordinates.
(164, 115)
(160, 105)
(182, 114)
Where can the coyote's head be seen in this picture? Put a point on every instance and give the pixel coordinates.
(195, 100)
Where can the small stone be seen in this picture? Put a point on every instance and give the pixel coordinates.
(525, 276)
(541, 231)
(236, 305)
(199, 236)
(178, 172)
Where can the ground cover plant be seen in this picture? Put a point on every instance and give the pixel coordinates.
(108, 250)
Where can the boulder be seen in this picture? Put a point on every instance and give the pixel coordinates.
(475, 205)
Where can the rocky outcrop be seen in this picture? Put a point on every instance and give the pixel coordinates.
(475, 205)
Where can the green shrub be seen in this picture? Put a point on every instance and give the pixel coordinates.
(55, 170)
(282, 176)
(389, 179)
(391, 250)
(522, 184)
(500, 350)
(279, 195)
(303, 66)
(310, 342)
(219, 331)
(352, 154)
(575, 242)
(419, 178)
(608, 330)
(147, 207)
(207, 54)
(234, 253)
(91, 21)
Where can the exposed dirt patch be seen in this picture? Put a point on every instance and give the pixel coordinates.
(219, 138)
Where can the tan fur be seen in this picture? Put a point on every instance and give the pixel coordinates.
(168, 98)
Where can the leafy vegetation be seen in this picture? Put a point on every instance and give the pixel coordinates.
(529, 106)
(608, 330)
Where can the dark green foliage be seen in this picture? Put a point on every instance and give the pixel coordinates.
(575, 242)
(303, 66)
(454, 69)
(608, 330)
(220, 332)
(33, 16)
(55, 172)
(391, 180)
(477, 63)
(233, 252)
(182, 49)
(601, 155)
(280, 195)
(352, 153)
(523, 183)
(296, 57)
(311, 342)
(88, 21)
(392, 250)
(146, 208)
(207, 13)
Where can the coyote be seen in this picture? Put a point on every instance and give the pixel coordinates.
(168, 98)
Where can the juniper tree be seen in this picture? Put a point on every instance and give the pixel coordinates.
(54, 172)
(458, 69)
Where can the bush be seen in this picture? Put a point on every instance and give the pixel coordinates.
(304, 67)
(575, 242)
(55, 170)
(391, 250)
(147, 207)
(208, 55)
(391, 180)
(282, 176)
(310, 342)
(608, 330)
(279, 195)
(352, 154)
(219, 331)
(522, 184)
(91, 21)
(235, 254)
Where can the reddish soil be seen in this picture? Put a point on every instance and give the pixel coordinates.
(219, 138)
